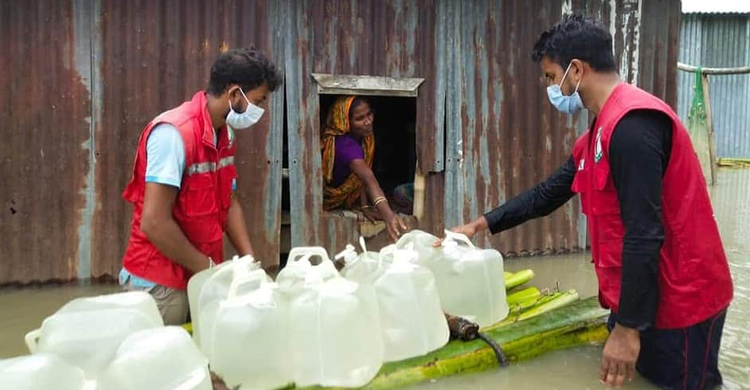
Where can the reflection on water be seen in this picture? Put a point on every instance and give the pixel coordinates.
(23, 310)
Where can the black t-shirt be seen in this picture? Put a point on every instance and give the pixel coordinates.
(638, 155)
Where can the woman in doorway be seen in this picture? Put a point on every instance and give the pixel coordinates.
(348, 147)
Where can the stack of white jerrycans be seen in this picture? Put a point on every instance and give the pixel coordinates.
(310, 327)
(330, 324)
(470, 281)
(112, 342)
(239, 318)
(411, 320)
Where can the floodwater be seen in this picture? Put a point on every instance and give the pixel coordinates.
(577, 368)
(25, 309)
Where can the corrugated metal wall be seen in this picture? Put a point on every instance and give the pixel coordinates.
(77, 93)
(79, 80)
(501, 135)
(45, 130)
(719, 41)
(397, 38)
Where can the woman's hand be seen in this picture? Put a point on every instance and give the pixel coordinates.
(371, 214)
(395, 226)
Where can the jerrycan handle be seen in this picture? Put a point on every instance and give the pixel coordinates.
(392, 250)
(32, 340)
(458, 237)
(246, 258)
(321, 272)
(387, 251)
(253, 279)
(307, 251)
(243, 266)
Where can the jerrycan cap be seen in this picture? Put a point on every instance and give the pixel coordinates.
(349, 255)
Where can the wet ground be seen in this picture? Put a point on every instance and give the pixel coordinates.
(24, 309)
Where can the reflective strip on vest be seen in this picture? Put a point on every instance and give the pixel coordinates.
(203, 167)
(206, 167)
(226, 161)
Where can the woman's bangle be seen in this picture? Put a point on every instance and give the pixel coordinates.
(379, 200)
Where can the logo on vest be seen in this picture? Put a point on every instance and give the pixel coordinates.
(231, 135)
(598, 147)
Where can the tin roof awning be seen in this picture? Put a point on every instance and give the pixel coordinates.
(338, 84)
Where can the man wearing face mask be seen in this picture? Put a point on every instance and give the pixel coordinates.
(184, 178)
(654, 241)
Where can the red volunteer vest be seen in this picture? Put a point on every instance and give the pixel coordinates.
(202, 204)
(694, 279)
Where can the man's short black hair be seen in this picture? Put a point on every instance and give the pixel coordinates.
(576, 37)
(247, 67)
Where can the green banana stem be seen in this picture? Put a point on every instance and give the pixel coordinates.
(525, 295)
(543, 304)
(518, 278)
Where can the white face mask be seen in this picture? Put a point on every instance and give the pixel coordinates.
(244, 120)
(569, 104)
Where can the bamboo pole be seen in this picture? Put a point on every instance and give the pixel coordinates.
(698, 128)
(713, 71)
(710, 124)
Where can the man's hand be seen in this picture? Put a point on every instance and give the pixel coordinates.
(620, 355)
(469, 230)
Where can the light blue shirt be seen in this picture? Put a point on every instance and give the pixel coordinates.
(135, 281)
(165, 156)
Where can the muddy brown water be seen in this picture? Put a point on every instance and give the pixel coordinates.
(22, 310)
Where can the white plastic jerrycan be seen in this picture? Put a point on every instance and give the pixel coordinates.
(411, 318)
(300, 270)
(194, 288)
(216, 288)
(41, 372)
(421, 242)
(87, 331)
(363, 267)
(333, 323)
(470, 281)
(157, 359)
(246, 338)
(133, 300)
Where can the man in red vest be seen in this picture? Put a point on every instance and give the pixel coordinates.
(654, 241)
(183, 183)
